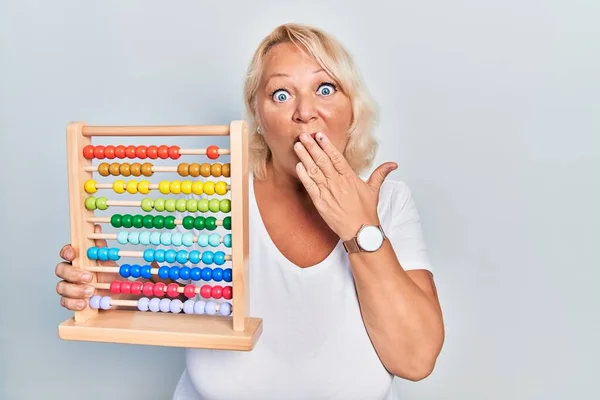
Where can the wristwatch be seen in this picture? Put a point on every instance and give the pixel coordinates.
(369, 239)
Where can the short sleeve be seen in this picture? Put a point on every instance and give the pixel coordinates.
(404, 229)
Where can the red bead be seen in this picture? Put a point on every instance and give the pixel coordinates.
(172, 290)
(120, 151)
(163, 152)
(130, 151)
(109, 152)
(99, 152)
(159, 289)
(227, 293)
(152, 152)
(140, 151)
(115, 287)
(205, 291)
(126, 287)
(174, 152)
(189, 291)
(88, 152)
(217, 292)
(212, 152)
(136, 288)
(148, 289)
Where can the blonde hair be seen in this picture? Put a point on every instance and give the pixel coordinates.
(362, 146)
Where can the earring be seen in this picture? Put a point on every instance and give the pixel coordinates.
(258, 130)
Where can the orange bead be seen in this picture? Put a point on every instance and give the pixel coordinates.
(215, 169)
(125, 169)
(136, 169)
(103, 169)
(114, 169)
(147, 169)
(205, 170)
(194, 169)
(226, 170)
(183, 169)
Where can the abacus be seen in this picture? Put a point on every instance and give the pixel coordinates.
(138, 307)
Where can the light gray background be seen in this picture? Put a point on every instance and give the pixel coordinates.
(491, 108)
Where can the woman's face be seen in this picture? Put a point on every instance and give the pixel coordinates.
(297, 96)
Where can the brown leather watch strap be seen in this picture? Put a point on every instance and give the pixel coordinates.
(351, 246)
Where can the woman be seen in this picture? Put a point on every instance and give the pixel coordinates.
(339, 269)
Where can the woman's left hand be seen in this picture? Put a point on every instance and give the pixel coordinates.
(340, 196)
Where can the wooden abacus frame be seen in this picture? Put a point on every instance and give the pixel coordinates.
(235, 332)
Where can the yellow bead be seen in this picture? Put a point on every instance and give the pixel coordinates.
(132, 187)
(186, 187)
(90, 186)
(164, 187)
(175, 187)
(209, 187)
(197, 187)
(144, 187)
(119, 186)
(221, 187)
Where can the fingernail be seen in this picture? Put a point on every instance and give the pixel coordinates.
(80, 304)
(320, 136)
(87, 277)
(68, 254)
(89, 291)
(304, 136)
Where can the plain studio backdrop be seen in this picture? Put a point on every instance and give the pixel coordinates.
(491, 109)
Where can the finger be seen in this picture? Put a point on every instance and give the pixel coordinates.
(71, 274)
(319, 157)
(73, 304)
(99, 242)
(337, 159)
(309, 184)
(312, 169)
(67, 253)
(380, 174)
(73, 291)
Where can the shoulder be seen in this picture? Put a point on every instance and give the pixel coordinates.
(394, 196)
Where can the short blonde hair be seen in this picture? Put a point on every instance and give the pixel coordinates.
(337, 62)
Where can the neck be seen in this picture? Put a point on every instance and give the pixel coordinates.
(286, 184)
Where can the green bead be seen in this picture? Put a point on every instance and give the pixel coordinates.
(101, 203)
(159, 204)
(213, 205)
(115, 221)
(148, 221)
(159, 221)
(203, 205)
(225, 205)
(191, 205)
(137, 221)
(180, 205)
(127, 221)
(199, 223)
(227, 223)
(170, 205)
(210, 223)
(170, 222)
(188, 222)
(90, 203)
(147, 204)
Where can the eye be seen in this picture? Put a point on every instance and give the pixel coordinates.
(326, 89)
(280, 95)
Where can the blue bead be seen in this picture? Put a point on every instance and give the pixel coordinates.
(219, 258)
(149, 255)
(145, 238)
(203, 240)
(164, 304)
(175, 306)
(199, 307)
(103, 254)
(143, 304)
(124, 271)
(217, 274)
(227, 240)
(135, 271)
(92, 253)
(184, 273)
(123, 237)
(176, 239)
(210, 308)
(214, 240)
(113, 254)
(159, 255)
(165, 238)
(134, 237)
(196, 274)
(154, 304)
(170, 256)
(227, 275)
(163, 272)
(95, 302)
(206, 274)
(182, 256)
(188, 306)
(207, 257)
(155, 238)
(146, 271)
(188, 239)
(174, 273)
(105, 303)
(194, 256)
(225, 309)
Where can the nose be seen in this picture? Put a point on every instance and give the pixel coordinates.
(306, 110)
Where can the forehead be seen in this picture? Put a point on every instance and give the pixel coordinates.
(286, 58)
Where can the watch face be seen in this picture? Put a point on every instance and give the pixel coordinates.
(370, 238)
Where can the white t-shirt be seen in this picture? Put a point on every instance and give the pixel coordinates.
(314, 344)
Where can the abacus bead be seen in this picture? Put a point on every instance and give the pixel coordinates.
(225, 206)
(90, 186)
(188, 222)
(163, 152)
(189, 291)
(125, 169)
(103, 169)
(163, 272)
(170, 205)
(203, 240)
(145, 238)
(146, 271)
(149, 255)
(135, 271)
(130, 151)
(216, 292)
(137, 221)
(174, 152)
(88, 152)
(227, 240)
(199, 223)
(195, 274)
(214, 239)
(226, 170)
(95, 302)
(186, 187)
(217, 274)
(227, 293)
(105, 303)
(99, 152)
(103, 254)
(124, 271)
(213, 205)
(140, 151)
(175, 186)
(210, 308)
(215, 169)
(205, 291)
(136, 169)
(155, 238)
(205, 170)
(212, 152)
(144, 187)
(159, 204)
(174, 273)
(132, 187)
(209, 187)
(134, 237)
(113, 254)
(184, 273)
(175, 306)
(154, 304)
(148, 289)
(203, 205)
(115, 287)
(119, 186)
(102, 203)
(159, 255)
(219, 258)
(199, 307)
(136, 287)
(147, 204)
(172, 290)
(114, 169)
(182, 256)
(127, 220)
(143, 304)
(165, 238)
(221, 187)
(90, 203)
(126, 287)
(170, 222)
(159, 289)
(164, 187)
(109, 151)
(92, 253)
(197, 187)
(183, 169)
(227, 275)
(188, 306)
(194, 170)
(170, 256)
(206, 274)
(176, 239)
(122, 237)
(146, 169)
(191, 205)
(152, 152)
(115, 221)
(210, 223)
(194, 256)
(187, 239)
(180, 205)
(227, 222)
(120, 151)
(225, 309)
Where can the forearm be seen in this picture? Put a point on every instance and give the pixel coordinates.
(403, 322)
